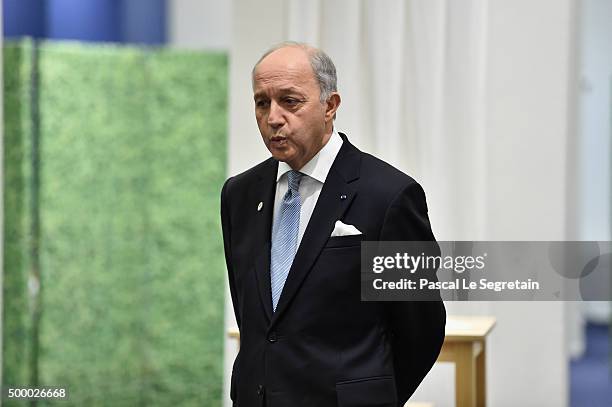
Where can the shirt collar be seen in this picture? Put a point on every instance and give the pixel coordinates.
(318, 167)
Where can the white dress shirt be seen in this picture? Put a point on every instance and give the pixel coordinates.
(314, 175)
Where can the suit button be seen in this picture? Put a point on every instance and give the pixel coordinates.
(260, 390)
(272, 337)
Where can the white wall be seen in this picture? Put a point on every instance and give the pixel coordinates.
(594, 205)
(595, 106)
(199, 24)
(593, 196)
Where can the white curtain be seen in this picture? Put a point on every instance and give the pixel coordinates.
(411, 75)
(473, 99)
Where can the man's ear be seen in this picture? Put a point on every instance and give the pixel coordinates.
(331, 105)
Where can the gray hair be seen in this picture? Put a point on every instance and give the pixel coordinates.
(322, 66)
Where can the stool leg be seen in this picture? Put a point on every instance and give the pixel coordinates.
(465, 383)
(481, 377)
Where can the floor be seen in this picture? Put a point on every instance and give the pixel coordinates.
(591, 375)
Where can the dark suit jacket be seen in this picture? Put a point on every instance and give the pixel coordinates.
(324, 347)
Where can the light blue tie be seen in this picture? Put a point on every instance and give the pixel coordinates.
(285, 236)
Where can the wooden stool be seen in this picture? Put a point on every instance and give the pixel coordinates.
(464, 345)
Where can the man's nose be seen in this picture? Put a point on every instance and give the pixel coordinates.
(275, 116)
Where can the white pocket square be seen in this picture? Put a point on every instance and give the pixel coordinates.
(342, 229)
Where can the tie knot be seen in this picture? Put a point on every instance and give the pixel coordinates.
(294, 178)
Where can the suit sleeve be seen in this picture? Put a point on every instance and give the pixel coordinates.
(416, 327)
(226, 226)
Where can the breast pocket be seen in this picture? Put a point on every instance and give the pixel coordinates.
(344, 241)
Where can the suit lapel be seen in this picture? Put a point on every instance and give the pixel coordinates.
(264, 191)
(335, 198)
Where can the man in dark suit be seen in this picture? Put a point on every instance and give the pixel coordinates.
(292, 228)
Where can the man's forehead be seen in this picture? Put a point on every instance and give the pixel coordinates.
(283, 79)
(286, 89)
(283, 76)
(290, 70)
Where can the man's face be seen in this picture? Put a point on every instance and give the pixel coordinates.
(291, 118)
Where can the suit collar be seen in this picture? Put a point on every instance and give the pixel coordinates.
(348, 161)
(263, 191)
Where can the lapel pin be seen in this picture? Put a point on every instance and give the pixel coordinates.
(259, 206)
(343, 197)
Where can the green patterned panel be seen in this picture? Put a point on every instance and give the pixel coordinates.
(17, 318)
(132, 158)
(93, 221)
(187, 146)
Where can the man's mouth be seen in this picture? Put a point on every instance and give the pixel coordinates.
(278, 141)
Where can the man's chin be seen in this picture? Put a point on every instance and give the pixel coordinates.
(282, 156)
(280, 153)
